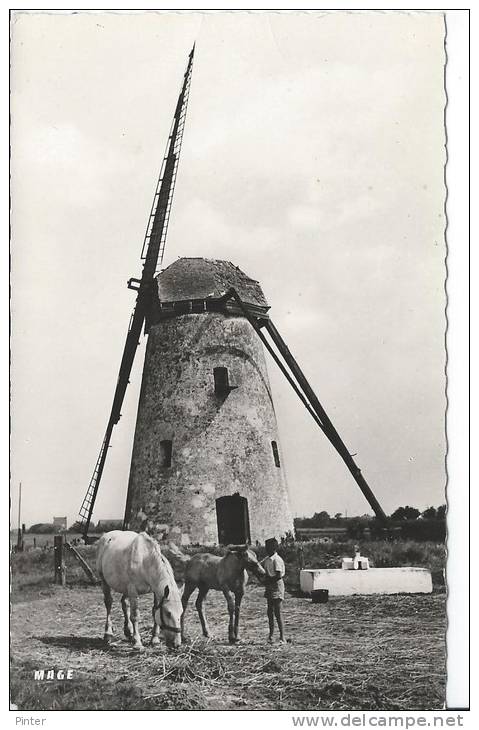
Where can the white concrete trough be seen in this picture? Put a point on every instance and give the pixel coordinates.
(374, 580)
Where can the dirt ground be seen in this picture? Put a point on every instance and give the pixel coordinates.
(352, 653)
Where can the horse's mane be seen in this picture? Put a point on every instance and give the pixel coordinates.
(156, 548)
(167, 565)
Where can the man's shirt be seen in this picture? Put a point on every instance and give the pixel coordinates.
(273, 563)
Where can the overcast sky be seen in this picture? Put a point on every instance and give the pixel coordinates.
(312, 158)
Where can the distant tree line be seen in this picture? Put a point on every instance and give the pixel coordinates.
(404, 522)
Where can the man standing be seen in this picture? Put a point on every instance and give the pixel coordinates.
(274, 588)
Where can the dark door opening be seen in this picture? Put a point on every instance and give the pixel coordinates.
(233, 520)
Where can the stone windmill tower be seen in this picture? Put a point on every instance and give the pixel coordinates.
(206, 464)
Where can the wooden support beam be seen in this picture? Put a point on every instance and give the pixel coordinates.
(89, 572)
(328, 427)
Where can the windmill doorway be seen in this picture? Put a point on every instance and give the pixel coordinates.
(233, 520)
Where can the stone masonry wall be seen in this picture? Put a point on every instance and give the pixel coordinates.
(219, 446)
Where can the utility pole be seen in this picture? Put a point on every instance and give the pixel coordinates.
(19, 531)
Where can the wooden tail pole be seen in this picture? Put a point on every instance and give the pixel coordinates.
(328, 427)
(309, 399)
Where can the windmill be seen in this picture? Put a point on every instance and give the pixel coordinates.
(206, 460)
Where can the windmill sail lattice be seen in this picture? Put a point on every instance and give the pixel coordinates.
(152, 256)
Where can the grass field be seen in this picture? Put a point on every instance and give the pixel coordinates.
(374, 652)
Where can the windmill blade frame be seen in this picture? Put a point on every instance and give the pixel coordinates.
(152, 255)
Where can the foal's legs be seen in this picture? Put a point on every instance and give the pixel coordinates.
(187, 591)
(107, 597)
(135, 619)
(155, 636)
(238, 599)
(202, 591)
(127, 626)
(231, 610)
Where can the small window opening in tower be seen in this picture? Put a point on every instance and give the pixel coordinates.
(165, 453)
(274, 446)
(222, 386)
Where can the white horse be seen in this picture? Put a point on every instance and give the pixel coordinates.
(132, 564)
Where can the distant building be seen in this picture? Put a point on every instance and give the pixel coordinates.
(60, 523)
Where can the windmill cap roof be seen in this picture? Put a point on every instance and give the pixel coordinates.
(199, 278)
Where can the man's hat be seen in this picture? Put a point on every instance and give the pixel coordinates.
(271, 542)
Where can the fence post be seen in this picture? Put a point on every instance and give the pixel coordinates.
(60, 572)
